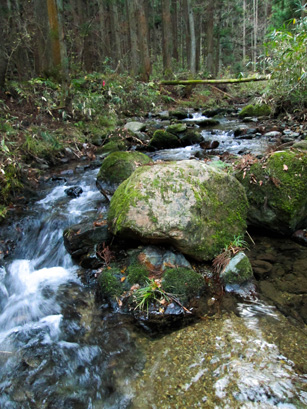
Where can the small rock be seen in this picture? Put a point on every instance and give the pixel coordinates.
(74, 191)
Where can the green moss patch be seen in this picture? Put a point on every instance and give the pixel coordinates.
(118, 166)
(183, 283)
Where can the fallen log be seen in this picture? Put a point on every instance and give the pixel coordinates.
(221, 81)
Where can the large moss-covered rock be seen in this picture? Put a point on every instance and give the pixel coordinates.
(255, 110)
(117, 167)
(191, 205)
(277, 192)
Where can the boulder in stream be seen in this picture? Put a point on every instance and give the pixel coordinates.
(194, 207)
(117, 167)
(276, 190)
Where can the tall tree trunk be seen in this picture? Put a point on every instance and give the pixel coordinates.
(255, 32)
(244, 34)
(174, 15)
(134, 64)
(145, 65)
(193, 37)
(186, 49)
(166, 37)
(209, 37)
(115, 34)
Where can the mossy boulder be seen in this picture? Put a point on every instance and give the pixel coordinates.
(164, 140)
(135, 127)
(188, 204)
(238, 270)
(177, 128)
(191, 137)
(276, 191)
(117, 167)
(114, 145)
(183, 283)
(255, 110)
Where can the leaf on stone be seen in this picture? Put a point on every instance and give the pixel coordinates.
(122, 279)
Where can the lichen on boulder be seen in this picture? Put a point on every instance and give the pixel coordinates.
(187, 204)
(276, 190)
(117, 167)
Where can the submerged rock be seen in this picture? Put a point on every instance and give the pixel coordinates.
(190, 205)
(74, 191)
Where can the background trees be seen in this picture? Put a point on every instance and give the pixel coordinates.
(52, 37)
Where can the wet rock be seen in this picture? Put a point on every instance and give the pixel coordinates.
(117, 167)
(261, 269)
(74, 191)
(300, 236)
(164, 140)
(190, 137)
(240, 130)
(238, 270)
(209, 144)
(81, 239)
(179, 203)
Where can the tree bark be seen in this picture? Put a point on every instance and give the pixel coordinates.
(174, 15)
(193, 38)
(167, 37)
(209, 37)
(134, 60)
(145, 65)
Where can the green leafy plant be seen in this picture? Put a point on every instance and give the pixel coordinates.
(150, 293)
(286, 60)
(235, 246)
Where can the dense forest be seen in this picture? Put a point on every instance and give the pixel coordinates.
(138, 37)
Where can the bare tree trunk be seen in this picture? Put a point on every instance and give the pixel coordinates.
(145, 65)
(244, 34)
(166, 37)
(134, 60)
(209, 37)
(255, 32)
(193, 37)
(115, 33)
(175, 29)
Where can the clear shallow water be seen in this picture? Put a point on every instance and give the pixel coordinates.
(60, 349)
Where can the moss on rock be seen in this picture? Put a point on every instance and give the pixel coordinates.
(255, 110)
(183, 283)
(109, 283)
(118, 166)
(277, 192)
(164, 140)
(137, 273)
(238, 270)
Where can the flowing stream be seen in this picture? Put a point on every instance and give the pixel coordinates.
(59, 348)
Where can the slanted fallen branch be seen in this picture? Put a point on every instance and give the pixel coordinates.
(221, 81)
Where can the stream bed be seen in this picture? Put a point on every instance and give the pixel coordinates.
(61, 348)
